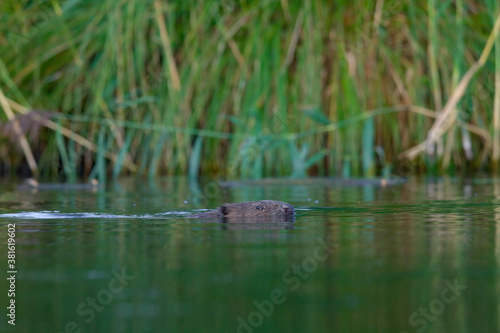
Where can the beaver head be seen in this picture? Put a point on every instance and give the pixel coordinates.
(259, 209)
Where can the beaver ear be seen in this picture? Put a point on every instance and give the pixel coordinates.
(224, 209)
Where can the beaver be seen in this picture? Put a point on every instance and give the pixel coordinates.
(263, 210)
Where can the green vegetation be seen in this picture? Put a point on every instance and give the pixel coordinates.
(246, 88)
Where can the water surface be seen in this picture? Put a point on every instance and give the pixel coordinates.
(418, 257)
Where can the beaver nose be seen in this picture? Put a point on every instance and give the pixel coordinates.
(286, 208)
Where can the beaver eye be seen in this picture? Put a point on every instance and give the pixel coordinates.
(259, 207)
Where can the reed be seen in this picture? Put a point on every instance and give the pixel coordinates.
(244, 89)
(494, 8)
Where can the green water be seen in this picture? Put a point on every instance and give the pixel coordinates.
(418, 257)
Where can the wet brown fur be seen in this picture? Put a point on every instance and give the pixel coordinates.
(250, 209)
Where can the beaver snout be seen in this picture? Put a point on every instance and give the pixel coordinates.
(287, 208)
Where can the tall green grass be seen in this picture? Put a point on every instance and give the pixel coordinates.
(245, 88)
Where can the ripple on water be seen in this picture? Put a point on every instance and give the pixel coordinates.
(51, 215)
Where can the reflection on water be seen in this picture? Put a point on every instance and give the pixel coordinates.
(416, 257)
(496, 200)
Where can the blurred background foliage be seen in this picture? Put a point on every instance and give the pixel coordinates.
(243, 89)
